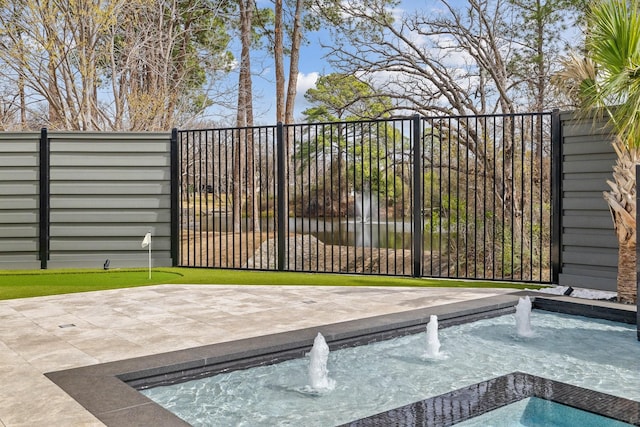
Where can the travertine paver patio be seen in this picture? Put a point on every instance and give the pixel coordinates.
(44, 334)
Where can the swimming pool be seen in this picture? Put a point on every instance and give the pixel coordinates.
(536, 412)
(593, 354)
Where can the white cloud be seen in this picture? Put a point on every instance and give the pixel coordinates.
(305, 82)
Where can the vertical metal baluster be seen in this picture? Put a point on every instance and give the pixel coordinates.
(281, 187)
(255, 197)
(183, 171)
(495, 187)
(313, 134)
(513, 192)
(522, 192)
(295, 200)
(458, 149)
(346, 163)
(332, 213)
(236, 140)
(541, 199)
(475, 198)
(224, 143)
(450, 142)
(417, 197)
(534, 119)
(397, 171)
(206, 191)
(187, 190)
(215, 189)
(393, 183)
(336, 136)
(504, 213)
(431, 199)
(485, 161)
(200, 200)
(245, 221)
(258, 193)
(380, 181)
(466, 200)
(309, 136)
(362, 183)
(217, 182)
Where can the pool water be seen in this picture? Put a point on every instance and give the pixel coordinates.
(535, 412)
(595, 354)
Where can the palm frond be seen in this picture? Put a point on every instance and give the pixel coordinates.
(613, 43)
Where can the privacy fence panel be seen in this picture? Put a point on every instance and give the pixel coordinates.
(19, 182)
(78, 199)
(107, 190)
(460, 197)
(588, 241)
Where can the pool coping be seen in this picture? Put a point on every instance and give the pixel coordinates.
(446, 409)
(109, 390)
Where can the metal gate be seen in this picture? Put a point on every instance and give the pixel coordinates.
(458, 197)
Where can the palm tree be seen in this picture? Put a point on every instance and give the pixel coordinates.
(609, 83)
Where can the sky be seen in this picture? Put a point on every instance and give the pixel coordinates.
(312, 65)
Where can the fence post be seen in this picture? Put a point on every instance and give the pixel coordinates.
(45, 196)
(175, 197)
(282, 214)
(418, 228)
(556, 196)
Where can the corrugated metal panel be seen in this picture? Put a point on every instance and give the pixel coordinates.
(589, 245)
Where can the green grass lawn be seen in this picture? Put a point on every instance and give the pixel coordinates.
(23, 284)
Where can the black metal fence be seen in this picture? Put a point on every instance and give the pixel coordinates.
(457, 197)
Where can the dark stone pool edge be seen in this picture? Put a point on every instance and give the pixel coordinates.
(108, 390)
(472, 401)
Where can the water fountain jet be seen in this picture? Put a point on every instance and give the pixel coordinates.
(523, 317)
(363, 206)
(433, 343)
(318, 374)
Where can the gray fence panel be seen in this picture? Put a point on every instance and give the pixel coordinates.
(107, 191)
(589, 245)
(18, 200)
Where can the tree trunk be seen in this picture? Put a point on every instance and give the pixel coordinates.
(244, 147)
(627, 272)
(622, 205)
(294, 60)
(278, 50)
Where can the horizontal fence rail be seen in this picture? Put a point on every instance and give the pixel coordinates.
(458, 197)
